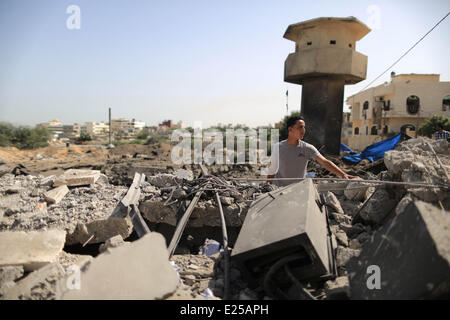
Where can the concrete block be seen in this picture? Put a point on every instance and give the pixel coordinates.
(77, 177)
(137, 271)
(31, 249)
(412, 253)
(102, 230)
(55, 195)
(38, 285)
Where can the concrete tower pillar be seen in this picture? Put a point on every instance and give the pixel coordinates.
(323, 62)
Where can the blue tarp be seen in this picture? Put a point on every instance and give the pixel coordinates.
(345, 148)
(375, 151)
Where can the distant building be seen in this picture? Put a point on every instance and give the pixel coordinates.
(72, 131)
(126, 128)
(408, 100)
(97, 128)
(134, 127)
(55, 127)
(167, 123)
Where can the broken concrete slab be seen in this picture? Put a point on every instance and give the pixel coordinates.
(137, 271)
(411, 256)
(55, 195)
(38, 285)
(32, 249)
(376, 208)
(77, 177)
(101, 230)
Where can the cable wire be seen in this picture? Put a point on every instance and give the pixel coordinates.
(405, 53)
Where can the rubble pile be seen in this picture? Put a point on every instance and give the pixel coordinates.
(391, 224)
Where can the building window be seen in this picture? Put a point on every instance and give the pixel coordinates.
(367, 131)
(385, 130)
(349, 45)
(412, 104)
(332, 41)
(309, 43)
(356, 131)
(373, 131)
(446, 103)
(366, 105)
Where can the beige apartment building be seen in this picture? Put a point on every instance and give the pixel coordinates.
(408, 100)
(97, 128)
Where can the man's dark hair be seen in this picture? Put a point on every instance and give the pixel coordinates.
(292, 120)
(439, 125)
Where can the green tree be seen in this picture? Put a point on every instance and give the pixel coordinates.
(23, 137)
(429, 128)
(142, 135)
(84, 136)
(6, 133)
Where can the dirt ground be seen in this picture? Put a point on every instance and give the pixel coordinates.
(58, 157)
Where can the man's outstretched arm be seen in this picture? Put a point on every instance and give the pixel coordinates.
(330, 166)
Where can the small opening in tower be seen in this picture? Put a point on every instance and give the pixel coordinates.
(309, 43)
(350, 45)
(332, 41)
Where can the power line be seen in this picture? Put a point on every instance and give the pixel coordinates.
(405, 52)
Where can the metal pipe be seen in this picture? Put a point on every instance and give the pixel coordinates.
(225, 248)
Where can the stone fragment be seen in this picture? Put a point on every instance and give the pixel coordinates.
(113, 242)
(31, 249)
(4, 169)
(338, 288)
(38, 285)
(10, 273)
(162, 180)
(184, 174)
(352, 230)
(77, 177)
(47, 181)
(331, 201)
(354, 244)
(358, 191)
(140, 270)
(376, 208)
(342, 238)
(341, 218)
(409, 258)
(343, 255)
(227, 201)
(56, 195)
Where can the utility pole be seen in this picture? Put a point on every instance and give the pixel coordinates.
(109, 126)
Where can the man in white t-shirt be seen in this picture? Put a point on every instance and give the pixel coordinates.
(291, 158)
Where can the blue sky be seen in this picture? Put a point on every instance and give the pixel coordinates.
(209, 61)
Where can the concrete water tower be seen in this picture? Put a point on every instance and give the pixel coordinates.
(323, 62)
